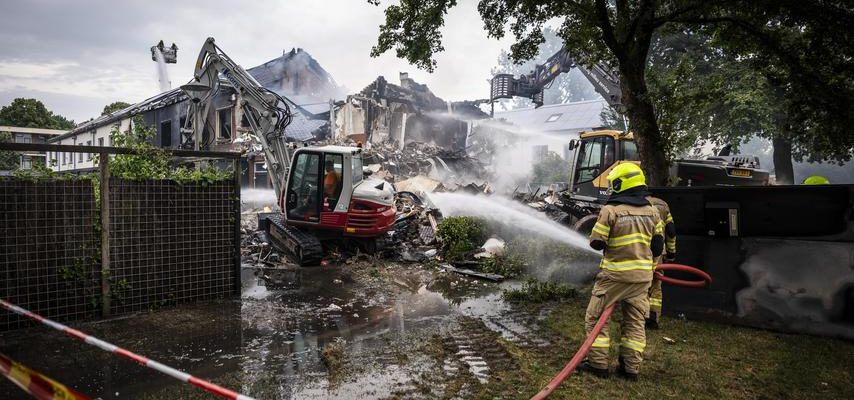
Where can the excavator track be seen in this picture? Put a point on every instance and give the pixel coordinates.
(304, 246)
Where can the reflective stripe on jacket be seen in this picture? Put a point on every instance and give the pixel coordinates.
(627, 231)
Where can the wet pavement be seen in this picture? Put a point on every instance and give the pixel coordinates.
(268, 343)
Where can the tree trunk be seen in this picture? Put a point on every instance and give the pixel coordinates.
(784, 172)
(643, 123)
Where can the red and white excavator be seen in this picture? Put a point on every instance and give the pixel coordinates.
(323, 191)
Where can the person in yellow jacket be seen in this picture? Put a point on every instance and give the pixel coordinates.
(655, 293)
(630, 233)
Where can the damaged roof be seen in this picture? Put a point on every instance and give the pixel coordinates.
(558, 118)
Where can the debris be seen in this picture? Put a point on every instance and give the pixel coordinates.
(419, 184)
(431, 252)
(492, 248)
(331, 307)
(468, 272)
(668, 340)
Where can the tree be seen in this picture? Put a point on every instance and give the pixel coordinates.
(9, 160)
(569, 87)
(114, 106)
(31, 113)
(620, 34)
(803, 50)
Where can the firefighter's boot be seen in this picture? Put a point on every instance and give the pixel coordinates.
(622, 373)
(590, 369)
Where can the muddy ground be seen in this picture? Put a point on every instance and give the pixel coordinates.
(366, 328)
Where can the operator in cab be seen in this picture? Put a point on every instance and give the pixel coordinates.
(331, 184)
(629, 231)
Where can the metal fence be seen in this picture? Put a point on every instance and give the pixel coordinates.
(48, 249)
(144, 244)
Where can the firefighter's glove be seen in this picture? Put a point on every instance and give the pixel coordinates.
(598, 244)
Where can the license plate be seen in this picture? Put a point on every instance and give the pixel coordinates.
(741, 172)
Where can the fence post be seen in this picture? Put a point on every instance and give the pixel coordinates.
(103, 162)
(237, 271)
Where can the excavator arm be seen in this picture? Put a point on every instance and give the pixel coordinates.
(267, 112)
(605, 81)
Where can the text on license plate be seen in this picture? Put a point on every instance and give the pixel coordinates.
(740, 172)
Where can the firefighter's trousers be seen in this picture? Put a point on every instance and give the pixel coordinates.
(655, 300)
(634, 301)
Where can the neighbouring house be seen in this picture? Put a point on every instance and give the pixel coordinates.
(562, 122)
(30, 135)
(225, 128)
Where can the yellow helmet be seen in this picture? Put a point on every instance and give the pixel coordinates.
(626, 176)
(816, 180)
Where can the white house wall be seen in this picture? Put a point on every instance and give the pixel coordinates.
(100, 136)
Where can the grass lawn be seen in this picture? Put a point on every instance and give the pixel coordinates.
(707, 361)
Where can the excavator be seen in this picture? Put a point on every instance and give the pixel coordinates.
(323, 192)
(597, 152)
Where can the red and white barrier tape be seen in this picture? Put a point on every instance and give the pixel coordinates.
(165, 369)
(36, 384)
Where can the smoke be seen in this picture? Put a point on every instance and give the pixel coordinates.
(510, 152)
(257, 198)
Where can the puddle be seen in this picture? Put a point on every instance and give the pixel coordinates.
(268, 344)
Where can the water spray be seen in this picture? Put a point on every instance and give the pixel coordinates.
(510, 213)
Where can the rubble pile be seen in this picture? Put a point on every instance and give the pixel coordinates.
(414, 234)
(453, 169)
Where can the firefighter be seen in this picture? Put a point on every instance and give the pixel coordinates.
(655, 296)
(629, 231)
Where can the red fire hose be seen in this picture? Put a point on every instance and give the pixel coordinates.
(585, 347)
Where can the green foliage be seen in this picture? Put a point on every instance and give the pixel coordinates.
(150, 162)
(534, 291)
(508, 266)
(31, 113)
(460, 235)
(114, 106)
(9, 160)
(412, 29)
(551, 169)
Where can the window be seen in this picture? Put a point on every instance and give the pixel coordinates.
(64, 158)
(26, 163)
(89, 155)
(166, 134)
(260, 175)
(80, 158)
(111, 141)
(303, 196)
(553, 117)
(590, 159)
(630, 151)
(357, 168)
(23, 138)
(223, 128)
(101, 141)
(333, 168)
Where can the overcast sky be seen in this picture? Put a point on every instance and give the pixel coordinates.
(77, 56)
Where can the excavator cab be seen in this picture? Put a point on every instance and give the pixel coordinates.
(596, 153)
(327, 189)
